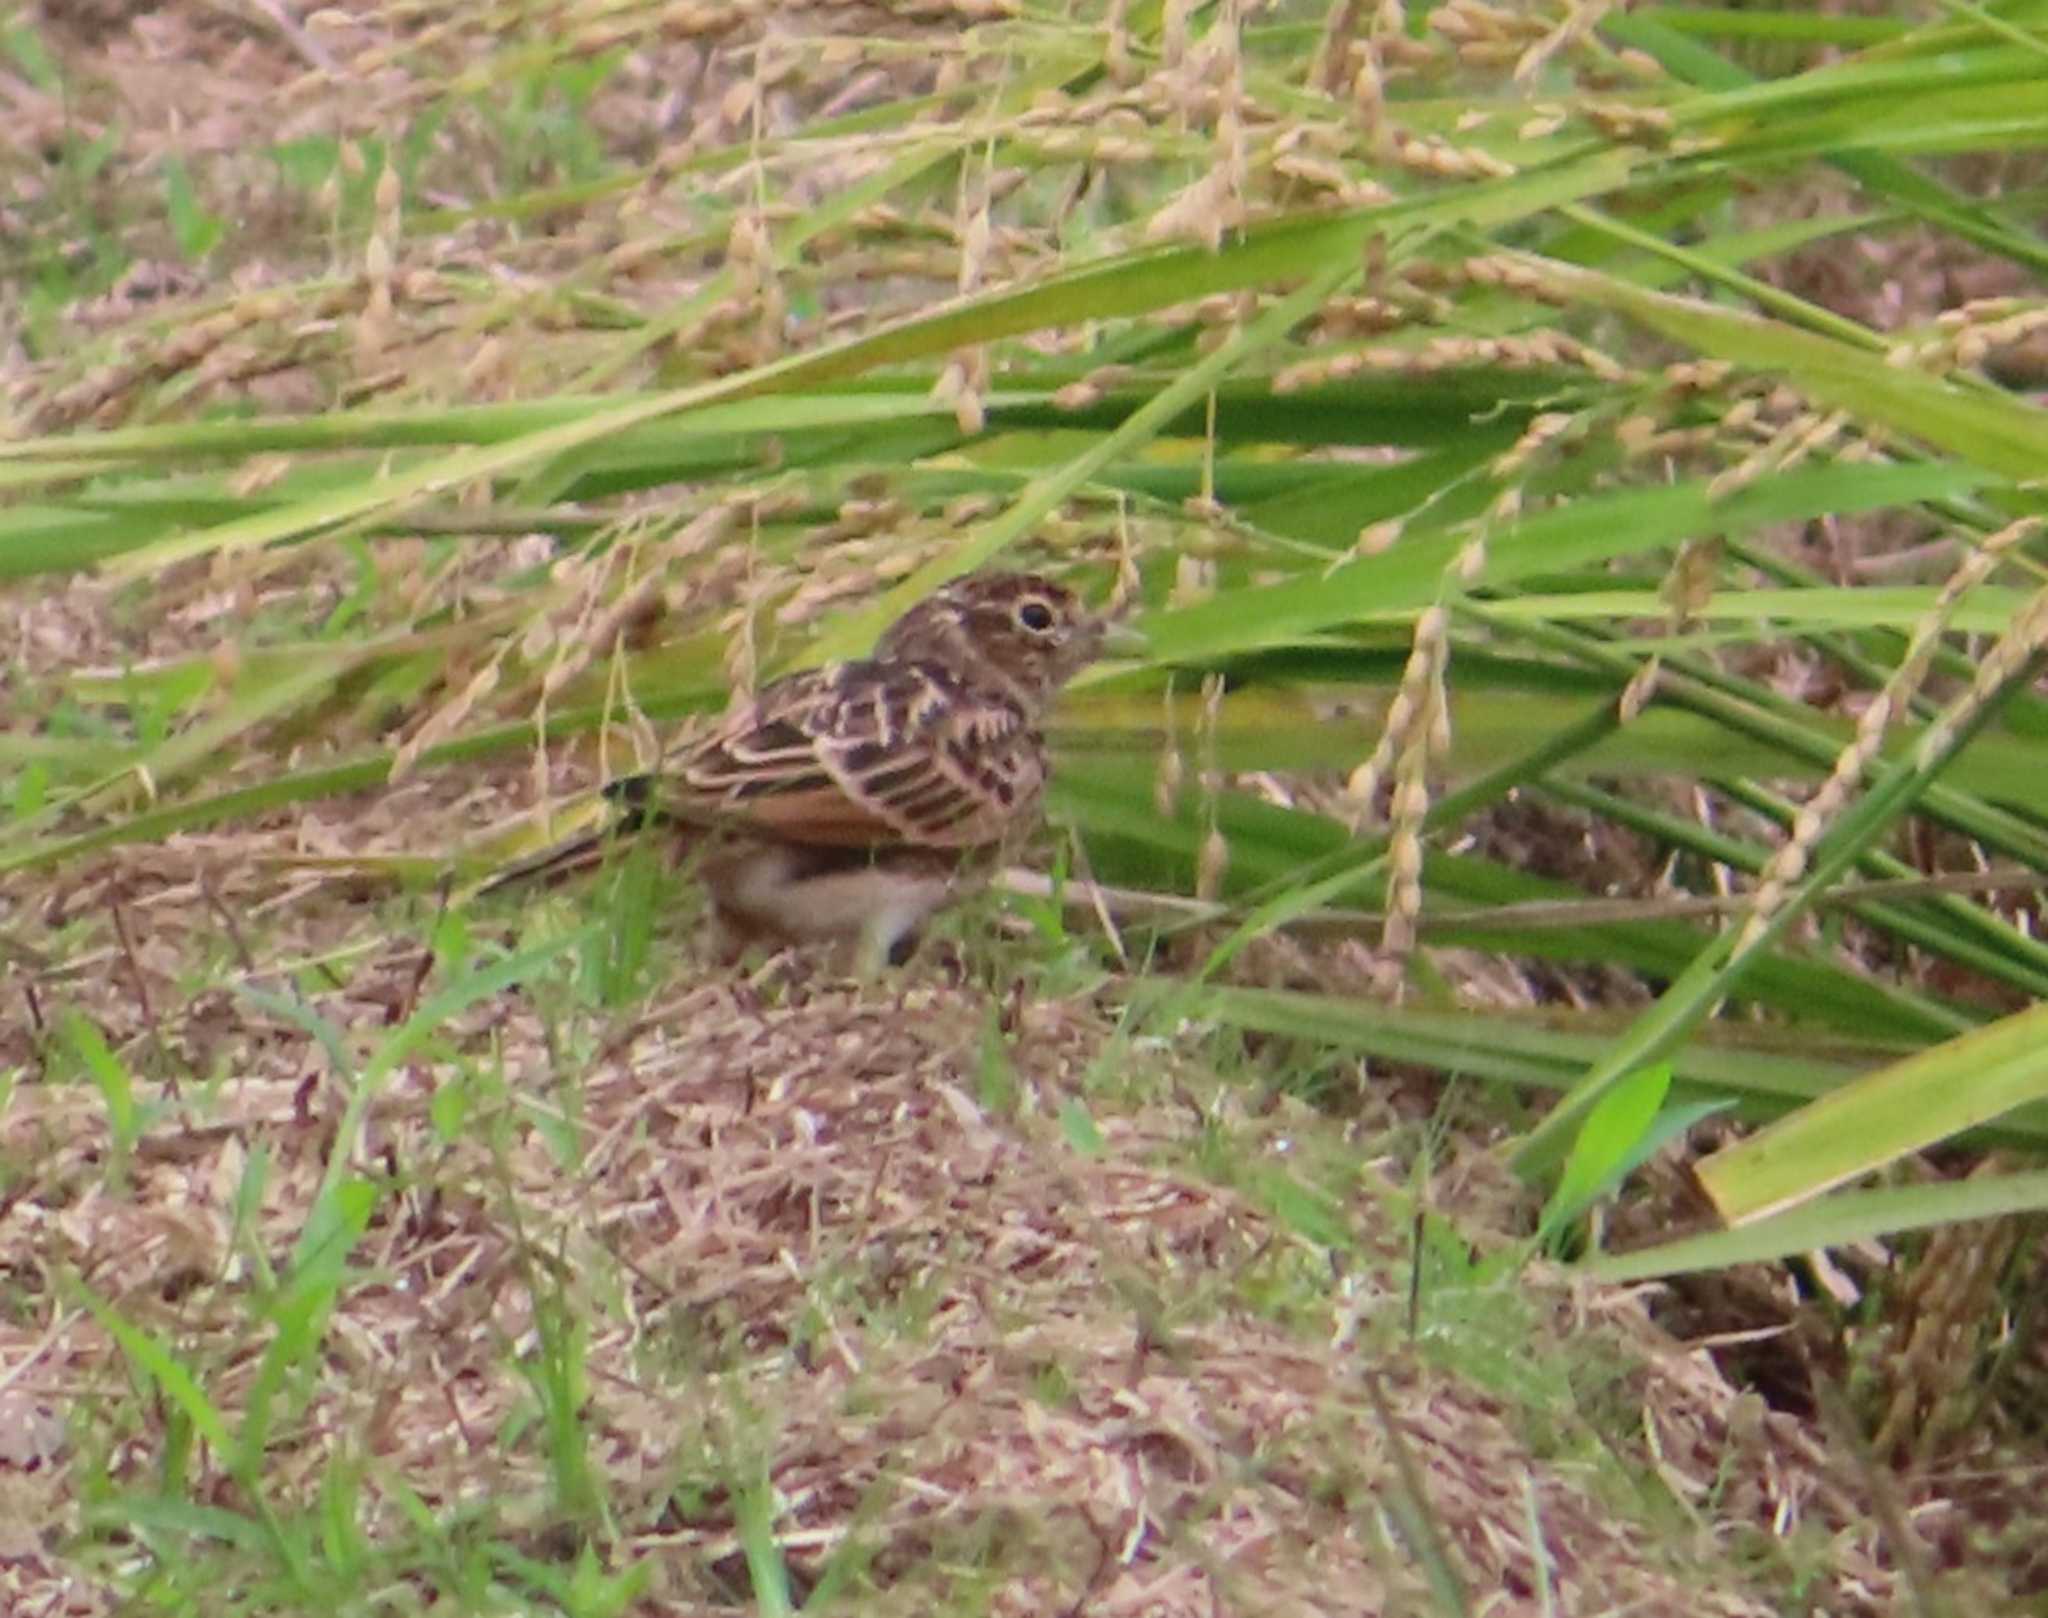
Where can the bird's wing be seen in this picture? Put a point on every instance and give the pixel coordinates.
(865, 754)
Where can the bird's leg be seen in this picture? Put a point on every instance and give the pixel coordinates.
(888, 935)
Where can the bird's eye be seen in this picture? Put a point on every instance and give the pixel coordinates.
(1035, 616)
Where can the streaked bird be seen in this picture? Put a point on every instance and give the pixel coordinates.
(854, 800)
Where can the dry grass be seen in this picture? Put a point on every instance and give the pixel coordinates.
(850, 1249)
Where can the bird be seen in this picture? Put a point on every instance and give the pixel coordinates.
(852, 801)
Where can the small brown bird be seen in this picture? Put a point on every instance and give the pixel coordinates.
(852, 801)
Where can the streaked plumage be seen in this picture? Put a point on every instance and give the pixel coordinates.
(851, 800)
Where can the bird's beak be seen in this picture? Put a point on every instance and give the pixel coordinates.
(1123, 640)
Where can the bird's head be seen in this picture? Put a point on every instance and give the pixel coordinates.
(1024, 632)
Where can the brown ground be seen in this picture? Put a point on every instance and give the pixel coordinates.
(796, 1235)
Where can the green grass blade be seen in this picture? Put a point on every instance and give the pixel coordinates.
(1915, 1103)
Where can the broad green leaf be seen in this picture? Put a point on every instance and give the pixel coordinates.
(1608, 1142)
(1914, 1103)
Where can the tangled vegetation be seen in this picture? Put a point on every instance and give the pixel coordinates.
(1574, 826)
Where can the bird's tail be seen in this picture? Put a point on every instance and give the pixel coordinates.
(583, 853)
(588, 851)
